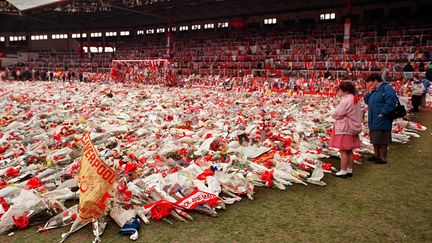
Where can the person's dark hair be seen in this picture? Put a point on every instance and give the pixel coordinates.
(374, 77)
(348, 87)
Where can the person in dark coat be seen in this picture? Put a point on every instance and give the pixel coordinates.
(417, 90)
(421, 67)
(36, 75)
(426, 83)
(44, 76)
(408, 67)
(14, 75)
(381, 100)
(429, 72)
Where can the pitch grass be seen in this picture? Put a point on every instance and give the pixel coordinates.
(381, 203)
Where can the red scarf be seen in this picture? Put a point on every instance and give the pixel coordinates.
(356, 99)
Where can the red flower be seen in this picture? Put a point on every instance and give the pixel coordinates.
(122, 187)
(175, 169)
(208, 157)
(279, 137)
(326, 166)
(157, 159)
(75, 166)
(130, 167)
(305, 167)
(22, 221)
(207, 172)
(182, 151)
(131, 139)
(34, 183)
(143, 160)
(123, 190)
(267, 176)
(132, 157)
(269, 164)
(208, 135)
(12, 172)
(160, 209)
(4, 204)
(3, 183)
(57, 137)
(127, 196)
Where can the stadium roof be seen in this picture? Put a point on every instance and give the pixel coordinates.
(35, 15)
(29, 4)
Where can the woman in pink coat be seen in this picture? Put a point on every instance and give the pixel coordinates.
(347, 127)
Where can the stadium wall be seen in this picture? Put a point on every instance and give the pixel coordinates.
(66, 44)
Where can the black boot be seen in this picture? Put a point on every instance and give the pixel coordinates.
(380, 162)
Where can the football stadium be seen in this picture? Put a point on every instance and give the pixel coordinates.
(215, 121)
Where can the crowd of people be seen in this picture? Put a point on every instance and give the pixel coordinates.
(24, 74)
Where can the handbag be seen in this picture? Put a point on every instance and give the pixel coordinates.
(398, 112)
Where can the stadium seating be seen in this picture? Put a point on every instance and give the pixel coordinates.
(275, 51)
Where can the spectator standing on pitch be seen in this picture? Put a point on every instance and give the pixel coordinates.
(346, 129)
(429, 72)
(381, 101)
(426, 84)
(408, 67)
(417, 92)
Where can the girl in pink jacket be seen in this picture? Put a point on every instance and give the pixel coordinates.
(346, 129)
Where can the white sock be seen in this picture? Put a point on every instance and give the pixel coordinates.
(341, 172)
(349, 170)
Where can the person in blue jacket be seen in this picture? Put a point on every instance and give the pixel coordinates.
(381, 101)
(426, 84)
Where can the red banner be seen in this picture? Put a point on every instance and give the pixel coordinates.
(197, 198)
